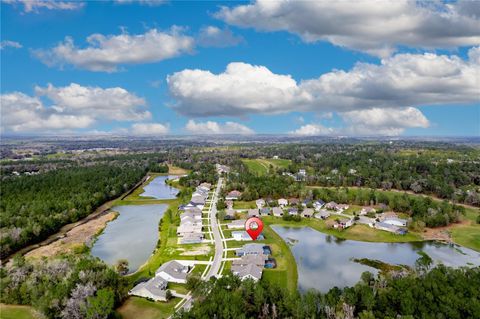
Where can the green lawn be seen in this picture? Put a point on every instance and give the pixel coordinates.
(135, 307)
(18, 312)
(261, 166)
(467, 234)
(238, 204)
(256, 167)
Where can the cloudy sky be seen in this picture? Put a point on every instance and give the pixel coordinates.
(154, 67)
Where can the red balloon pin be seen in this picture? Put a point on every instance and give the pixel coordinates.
(254, 227)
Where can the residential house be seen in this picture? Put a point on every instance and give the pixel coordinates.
(194, 210)
(282, 202)
(331, 205)
(367, 210)
(390, 228)
(244, 236)
(293, 201)
(188, 228)
(155, 289)
(250, 249)
(307, 212)
(265, 211)
(395, 221)
(173, 271)
(237, 224)
(323, 214)
(318, 204)
(191, 238)
(229, 204)
(253, 212)
(277, 212)
(343, 223)
(230, 214)
(233, 195)
(260, 203)
(255, 259)
(293, 211)
(222, 169)
(342, 207)
(249, 271)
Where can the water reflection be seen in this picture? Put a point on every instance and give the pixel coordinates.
(324, 261)
(158, 189)
(132, 236)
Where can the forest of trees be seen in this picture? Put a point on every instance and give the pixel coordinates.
(34, 207)
(423, 210)
(439, 293)
(68, 287)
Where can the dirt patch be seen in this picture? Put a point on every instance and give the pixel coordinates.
(442, 233)
(203, 250)
(82, 234)
(176, 170)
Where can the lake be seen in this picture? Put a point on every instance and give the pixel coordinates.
(132, 236)
(325, 261)
(158, 189)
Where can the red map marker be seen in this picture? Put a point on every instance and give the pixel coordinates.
(254, 227)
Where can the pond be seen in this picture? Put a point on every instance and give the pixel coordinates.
(325, 261)
(158, 189)
(132, 236)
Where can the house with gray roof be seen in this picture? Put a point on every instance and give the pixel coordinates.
(173, 271)
(229, 214)
(277, 212)
(251, 249)
(253, 212)
(191, 238)
(322, 214)
(155, 289)
(237, 224)
(307, 212)
(249, 271)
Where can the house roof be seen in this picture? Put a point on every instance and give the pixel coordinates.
(253, 212)
(307, 212)
(256, 249)
(156, 287)
(247, 271)
(174, 269)
(238, 222)
(258, 260)
(277, 211)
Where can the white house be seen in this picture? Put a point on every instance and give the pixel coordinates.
(282, 202)
(237, 224)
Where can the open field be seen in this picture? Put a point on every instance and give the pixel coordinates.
(18, 312)
(134, 308)
(261, 166)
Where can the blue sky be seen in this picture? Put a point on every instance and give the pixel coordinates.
(298, 74)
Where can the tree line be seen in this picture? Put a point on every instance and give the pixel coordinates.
(34, 207)
(441, 292)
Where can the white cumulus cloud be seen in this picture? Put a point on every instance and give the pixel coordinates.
(312, 130)
(10, 44)
(372, 26)
(70, 107)
(211, 127)
(148, 129)
(34, 6)
(107, 52)
(403, 80)
(212, 36)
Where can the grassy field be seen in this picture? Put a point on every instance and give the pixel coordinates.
(18, 312)
(261, 166)
(135, 307)
(467, 234)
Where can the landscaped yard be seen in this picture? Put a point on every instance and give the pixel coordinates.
(135, 308)
(18, 312)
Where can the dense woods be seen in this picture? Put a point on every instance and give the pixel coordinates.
(439, 293)
(68, 287)
(33, 207)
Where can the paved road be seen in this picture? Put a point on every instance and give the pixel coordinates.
(217, 259)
